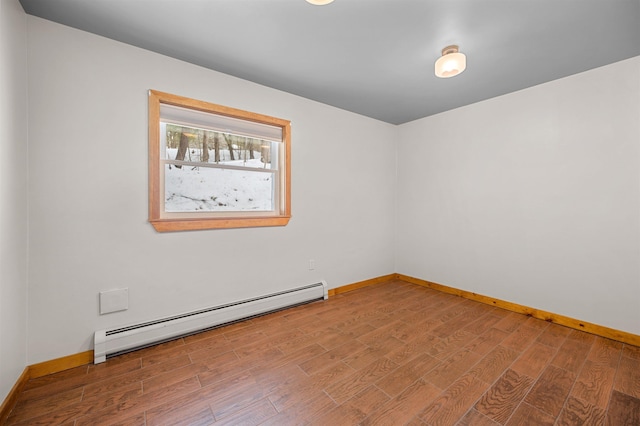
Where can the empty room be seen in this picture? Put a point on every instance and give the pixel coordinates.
(323, 212)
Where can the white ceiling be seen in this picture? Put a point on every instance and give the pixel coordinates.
(372, 57)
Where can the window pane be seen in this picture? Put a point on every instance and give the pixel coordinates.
(206, 146)
(202, 189)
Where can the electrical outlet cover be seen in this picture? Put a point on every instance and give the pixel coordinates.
(114, 300)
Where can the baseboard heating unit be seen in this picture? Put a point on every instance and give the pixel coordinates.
(126, 339)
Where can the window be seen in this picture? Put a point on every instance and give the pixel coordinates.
(212, 166)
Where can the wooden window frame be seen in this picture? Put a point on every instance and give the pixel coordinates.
(200, 221)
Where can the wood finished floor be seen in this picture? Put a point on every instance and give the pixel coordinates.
(391, 354)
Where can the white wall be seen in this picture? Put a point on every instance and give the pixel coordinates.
(532, 197)
(88, 194)
(13, 193)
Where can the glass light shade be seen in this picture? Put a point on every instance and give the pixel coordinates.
(319, 2)
(450, 64)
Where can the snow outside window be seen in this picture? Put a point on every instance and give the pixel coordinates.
(212, 166)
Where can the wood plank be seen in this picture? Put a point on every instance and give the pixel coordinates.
(271, 379)
(463, 360)
(462, 318)
(221, 373)
(577, 412)
(373, 352)
(450, 344)
(416, 421)
(80, 376)
(330, 337)
(482, 324)
(511, 322)
(328, 358)
(155, 350)
(582, 337)
(454, 402)
(623, 410)
(632, 352)
(361, 284)
(356, 409)
(474, 418)
(216, 344)
(118, 382)
(527, 415)
(487, 341)
(254, 414)
(187, 409)
(137, 419)
(60, 364)
(63, 380)
(400, 378)
(551, 390)
(304, 412)
(235, 401)
(493, 364)
(572, 355)
(610, 333)
(501, 400)
(554, 335)
(89, 406)
(445, 374)
(628, 377)
(397, 329)
(420, 343)
(594, 384)
(292, 393)
(301, 355)
(14, 394)
(215, 357)
(534, 360)
(606, 351)
(139, 403)
(171, 377)
(353, 384)
(405, 405)
(30, 408)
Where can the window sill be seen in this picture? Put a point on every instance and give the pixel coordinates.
(170, 225)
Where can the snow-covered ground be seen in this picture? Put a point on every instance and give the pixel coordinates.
(192, 189)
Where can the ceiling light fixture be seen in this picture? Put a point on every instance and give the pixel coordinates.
(451, 63)
(319, 2)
